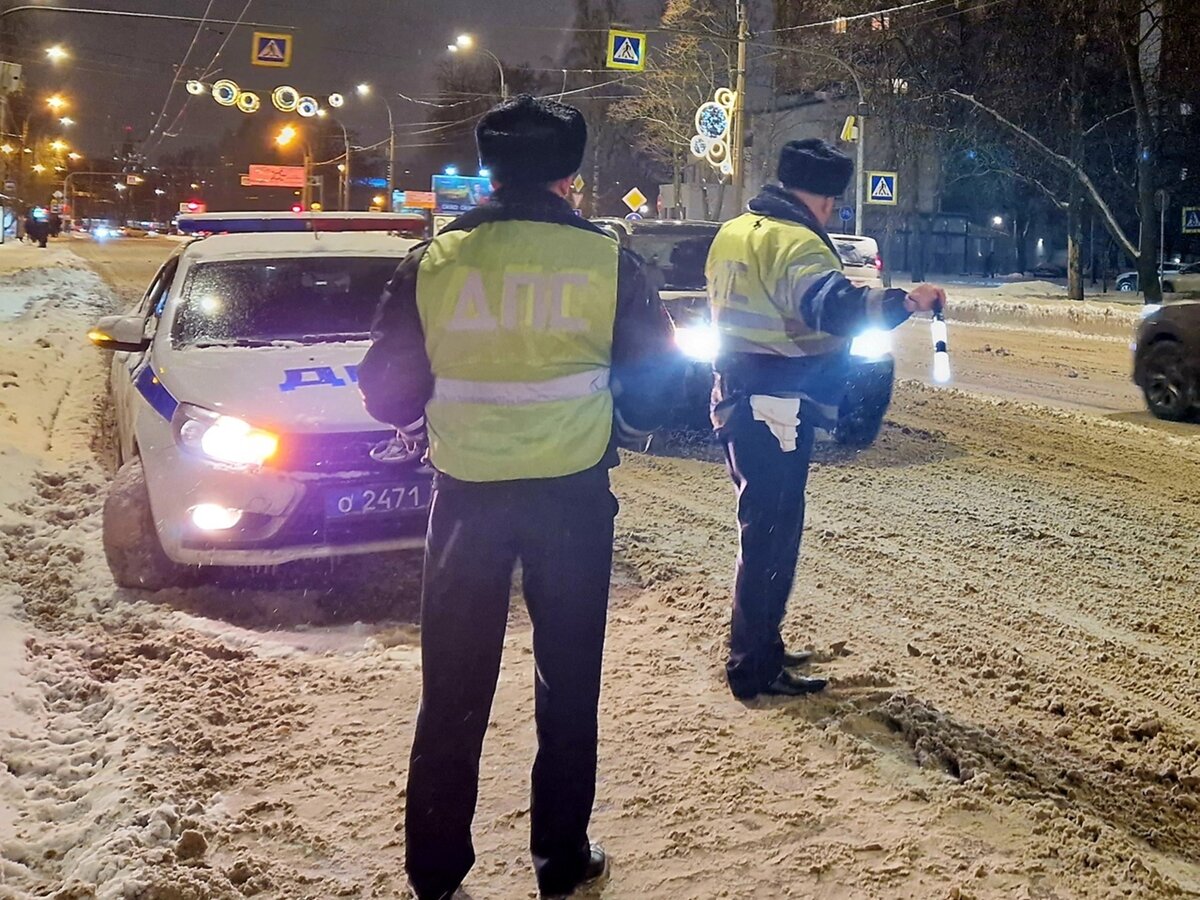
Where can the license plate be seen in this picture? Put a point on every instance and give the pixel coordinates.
(376, 500)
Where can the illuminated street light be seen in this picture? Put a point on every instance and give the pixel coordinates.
(39, 168)
(74, 157)
(377, 199)
(322, 113)
(997, 221)
(159, 192)
(341, 167)
(57, 53)
(56, 102)
(363, 89)
(66, 121)
(120, 187)
(58, 146)
(7, 149)
(286, 135)
(465, 42)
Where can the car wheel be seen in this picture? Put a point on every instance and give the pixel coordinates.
(131, 546)
(861, 412)
(1168, 383)
(1126, 286)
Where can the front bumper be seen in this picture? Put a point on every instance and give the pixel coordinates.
(283, 509)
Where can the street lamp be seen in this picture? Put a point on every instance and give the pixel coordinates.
(998, 221)
(364, 90)
(7, 149)
(56, 102)
(464, 43)
(39, 168)
(66, 121)
(58, 146)
(57, 53)
(74, 157)
(286, 135)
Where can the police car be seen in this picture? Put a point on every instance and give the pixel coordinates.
(241, 435)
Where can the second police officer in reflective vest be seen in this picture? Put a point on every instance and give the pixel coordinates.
(525, 341)
(785, 314)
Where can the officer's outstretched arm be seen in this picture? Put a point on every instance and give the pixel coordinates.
(828, 302)
(395, 377)
(644, 361)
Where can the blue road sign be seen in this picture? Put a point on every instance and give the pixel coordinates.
(1191, 220)
(881, 188)
(846, 213)
(633, 217)
(271, 50)
(626, 50)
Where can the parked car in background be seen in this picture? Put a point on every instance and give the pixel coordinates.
(675, 253)
(1166, 359)
(1176, 278)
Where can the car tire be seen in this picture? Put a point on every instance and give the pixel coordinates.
(1168, 382)
(861, 412)
(1126, 286)
(135, 556)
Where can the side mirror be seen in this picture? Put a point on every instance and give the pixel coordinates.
(125, 334)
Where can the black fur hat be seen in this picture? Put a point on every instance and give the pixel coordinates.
(527, 140)
(813, 165)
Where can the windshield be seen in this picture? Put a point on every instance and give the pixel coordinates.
(674, 259)
(262, 301)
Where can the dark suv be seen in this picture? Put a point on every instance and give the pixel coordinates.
(1166, 359)
(675, 253)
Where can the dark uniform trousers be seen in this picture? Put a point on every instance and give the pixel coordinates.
(561, 530)
(770, 488)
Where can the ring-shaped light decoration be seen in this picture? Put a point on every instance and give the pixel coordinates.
(699, 146)
(285, 97)
(308, 107)
(226, 92)
(725, 97)
(337, 101)
(712, 120)
(248, 102)
(718, 152)
(726, 167)
(195, 88)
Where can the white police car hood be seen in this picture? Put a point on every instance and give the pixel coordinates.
(284, 387)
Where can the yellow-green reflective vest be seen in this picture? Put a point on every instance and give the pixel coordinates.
(518, 319)
(758, 269)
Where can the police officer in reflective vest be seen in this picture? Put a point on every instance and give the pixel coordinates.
(785, 314)
(525, 342)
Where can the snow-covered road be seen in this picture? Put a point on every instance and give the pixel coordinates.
(1003, 592)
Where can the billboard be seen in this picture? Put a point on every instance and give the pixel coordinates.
(275, 176)
(459, 193)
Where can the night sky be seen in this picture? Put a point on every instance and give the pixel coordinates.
(120, 69)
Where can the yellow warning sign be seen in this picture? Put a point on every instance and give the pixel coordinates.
(635, 199)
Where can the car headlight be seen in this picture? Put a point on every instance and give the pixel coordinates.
(226, 439)
(1150, 309)
(874, 343)
(698, 342)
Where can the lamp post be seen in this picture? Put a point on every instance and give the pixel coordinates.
(286, 135)
(364, 90)
(344, 167)
(465, 42)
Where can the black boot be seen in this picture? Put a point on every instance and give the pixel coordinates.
(792, 660)
(595, 871)
(787, 684)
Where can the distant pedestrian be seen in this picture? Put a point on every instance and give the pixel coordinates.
(989, 265)
(55, 224)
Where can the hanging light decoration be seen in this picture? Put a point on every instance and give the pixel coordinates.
(226, 92)
(713, 121)
(195, 88)
(337, 101)
(308, 107)
(248, 102)
(285, 97)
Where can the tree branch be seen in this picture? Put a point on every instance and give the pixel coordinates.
(1065, 162)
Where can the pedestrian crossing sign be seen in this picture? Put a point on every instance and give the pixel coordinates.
(626, 50)
(271, 50)
(881, 188)
(1191, 220)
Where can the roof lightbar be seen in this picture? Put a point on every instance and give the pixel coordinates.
(269, 222)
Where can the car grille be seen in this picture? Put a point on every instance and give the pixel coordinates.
(337, 452)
